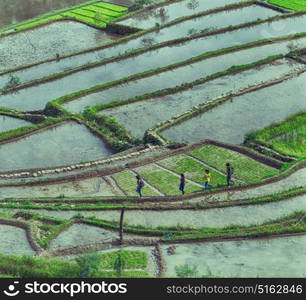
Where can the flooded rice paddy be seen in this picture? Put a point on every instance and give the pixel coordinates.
(85, 188)
(13, 241)
(63, 37)
(231, 121)
(209, 23)
(140, 63)
(275, 28)
(216, 217)
(8, 123)
(81, 234)
(167, 13)
(277, 257)
(65, 144)
(179, 76)
(150, 112)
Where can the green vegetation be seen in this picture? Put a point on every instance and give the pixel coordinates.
(89, 265)
(164, 181)
(186, 271)
(127, 182)
(287, 137)
(43, 228)
(244, 167)
(127, 259)
(297, 5)
(94, 12)
(33, 267)
(192, 169)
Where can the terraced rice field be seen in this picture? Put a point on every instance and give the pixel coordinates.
(93, 95)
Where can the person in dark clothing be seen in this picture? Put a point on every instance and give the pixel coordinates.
(229, 173)
(182, 184)
(140, 185)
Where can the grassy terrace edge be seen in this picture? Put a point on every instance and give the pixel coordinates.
(132, 203)
(291, 224)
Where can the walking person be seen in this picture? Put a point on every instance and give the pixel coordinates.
(207, 178)
(140, 185)
(229, 173)
(182, 184)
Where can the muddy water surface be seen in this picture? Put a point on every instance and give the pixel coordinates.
(279, 257)
(231, 121)
(13, 241)
(167, 13)
(8, 123)
(65, 144)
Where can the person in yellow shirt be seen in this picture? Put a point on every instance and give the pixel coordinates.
(207, 178)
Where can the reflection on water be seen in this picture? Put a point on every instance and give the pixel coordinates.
(14, 11)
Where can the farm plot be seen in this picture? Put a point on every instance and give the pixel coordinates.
(9, 123)
(13, 240)
(98, 14)
(154, 110)
(287, 137)
(278, 257)
(54, 147)
(292, 142)
(297, 5)
(84, 188)
(168, 12)
(208, 23)
(246, 215)
(146, 39)
(45, 42)
(137, 64)
(195, 71)
(192, 169)
(81, 234)
(165, 181)
(244, 167)
(120, 263)
(233, 120)
(127, 183)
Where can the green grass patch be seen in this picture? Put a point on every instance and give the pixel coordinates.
(128, 259)
(287, 137)
(33, 267)
(164, 181)
(110, 6)
(244, 167)
(92, 12)
(127, 182)
(106, 12)
(297, 5)
(192, 169)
